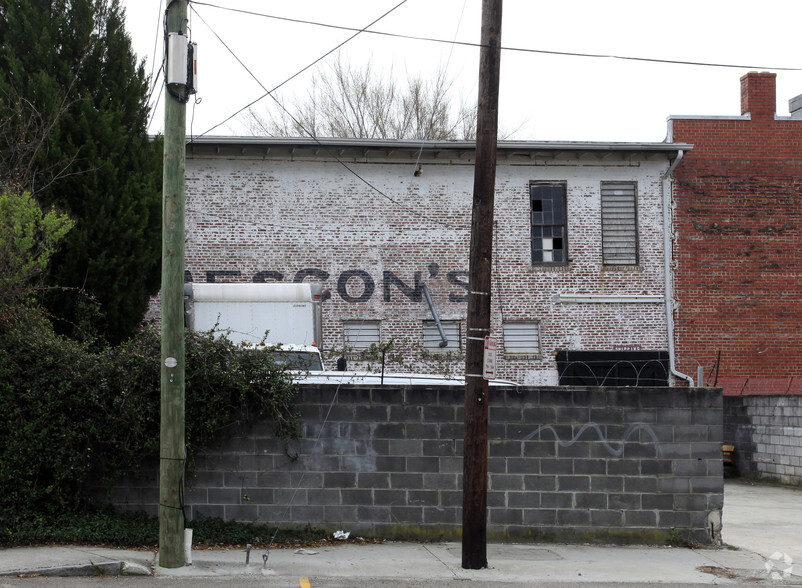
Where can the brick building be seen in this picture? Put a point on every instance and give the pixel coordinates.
(738, 199)
(579, 279)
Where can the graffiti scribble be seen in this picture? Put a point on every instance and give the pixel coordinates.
(617, 452)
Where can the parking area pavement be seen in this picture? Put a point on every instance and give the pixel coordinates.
(763, 518)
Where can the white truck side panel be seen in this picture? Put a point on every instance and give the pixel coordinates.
(290, 313)
(287, 322)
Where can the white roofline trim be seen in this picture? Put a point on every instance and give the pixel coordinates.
(746, 116)
(442, 145)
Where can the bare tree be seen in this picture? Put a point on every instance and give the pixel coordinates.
(361, 103)
(25, 132)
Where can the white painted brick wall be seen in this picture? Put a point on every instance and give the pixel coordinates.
(250, 211)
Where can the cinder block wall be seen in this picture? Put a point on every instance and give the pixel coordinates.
(767, 434)
(586, 464)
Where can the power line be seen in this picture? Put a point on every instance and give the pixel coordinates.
(296, 74)
(156, 40)
(516, 49)
(437, 103)
(158, 98)
(155, 80)
(300, 125)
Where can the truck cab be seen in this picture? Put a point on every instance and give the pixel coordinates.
(301, 358)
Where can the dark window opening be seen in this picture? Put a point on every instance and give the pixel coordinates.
(549, 242)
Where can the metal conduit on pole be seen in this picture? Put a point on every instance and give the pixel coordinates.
(172, 442)
(474, 486)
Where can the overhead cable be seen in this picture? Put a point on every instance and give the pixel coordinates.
(296, 74)
(516, 49)
(310, 134)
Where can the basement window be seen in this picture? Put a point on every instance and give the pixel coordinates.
(549, 239)
(619, 210)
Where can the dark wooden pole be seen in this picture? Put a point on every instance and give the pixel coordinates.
(172, 445)
(474, 484)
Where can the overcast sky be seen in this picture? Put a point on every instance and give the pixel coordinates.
(543, 96)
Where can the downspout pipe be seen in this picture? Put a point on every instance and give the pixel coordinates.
(668, 229)
(436, 317)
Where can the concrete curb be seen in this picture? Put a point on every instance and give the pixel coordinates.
(107, 568)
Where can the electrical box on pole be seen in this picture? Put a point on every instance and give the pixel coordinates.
(177, 51)
(182, 62)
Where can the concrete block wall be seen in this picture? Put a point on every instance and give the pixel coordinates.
(585, 464)
(767, 434)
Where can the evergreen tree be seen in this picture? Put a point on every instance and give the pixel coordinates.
(73, 99)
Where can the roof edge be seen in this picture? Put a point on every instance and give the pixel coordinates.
(746, 116)
(440, 145)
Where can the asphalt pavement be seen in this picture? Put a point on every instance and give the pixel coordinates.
(762, 531)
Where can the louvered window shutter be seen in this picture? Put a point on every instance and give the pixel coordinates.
(361, 335)
(619, 224)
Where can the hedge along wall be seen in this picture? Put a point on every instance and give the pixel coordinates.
(767, 434)
(581, 464)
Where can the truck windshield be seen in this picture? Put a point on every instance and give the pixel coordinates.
(298, 360)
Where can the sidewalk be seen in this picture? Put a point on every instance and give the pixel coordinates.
(746, 507)
(440, 561)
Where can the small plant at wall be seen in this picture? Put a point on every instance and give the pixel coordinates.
(401, 356)
(674, 539)
(379, 355)
(448, 363)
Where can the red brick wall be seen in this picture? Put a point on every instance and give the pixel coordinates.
(738, 215)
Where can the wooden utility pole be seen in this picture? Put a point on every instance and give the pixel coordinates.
(172, 444)
(474, 484)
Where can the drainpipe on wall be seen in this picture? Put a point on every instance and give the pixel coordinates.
(436, 317)
(668, 229)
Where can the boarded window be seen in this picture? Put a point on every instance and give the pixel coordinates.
(522, 338)
(549, 240)
(432, 338)
(361, 334)
(619, 223)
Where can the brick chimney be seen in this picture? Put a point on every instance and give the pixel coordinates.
(759, 94)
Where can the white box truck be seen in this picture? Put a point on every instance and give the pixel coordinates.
(288, 314)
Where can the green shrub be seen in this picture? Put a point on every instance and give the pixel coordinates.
(69, 415)
(97, 527)
(216, 532)
(51, 416)
(136, 529)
